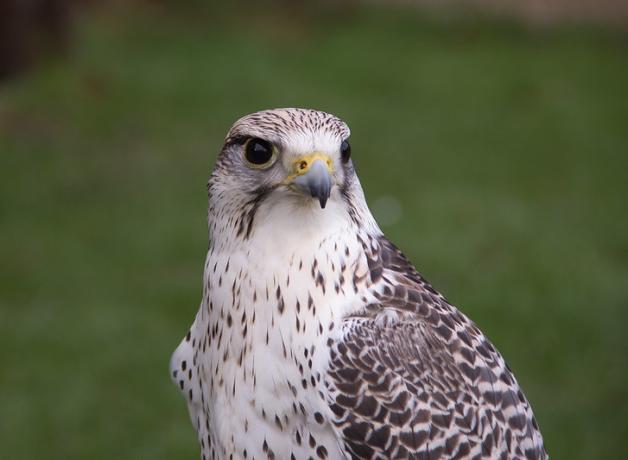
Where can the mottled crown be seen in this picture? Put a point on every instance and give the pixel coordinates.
(283, 123)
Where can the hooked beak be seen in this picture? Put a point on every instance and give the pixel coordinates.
(313, 176)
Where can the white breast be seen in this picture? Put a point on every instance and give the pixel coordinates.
(257, 352)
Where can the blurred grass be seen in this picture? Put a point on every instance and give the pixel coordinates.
(506, 150)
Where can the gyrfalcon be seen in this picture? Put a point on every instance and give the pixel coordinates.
(316, 337)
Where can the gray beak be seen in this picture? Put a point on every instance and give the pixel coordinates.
(316, 181)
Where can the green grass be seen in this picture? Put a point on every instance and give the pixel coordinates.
(506, 151)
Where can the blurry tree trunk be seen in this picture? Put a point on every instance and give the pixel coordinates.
(30, 29)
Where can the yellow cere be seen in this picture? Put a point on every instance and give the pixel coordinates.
(303, 163)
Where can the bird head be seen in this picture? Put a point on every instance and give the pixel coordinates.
(286, 173)
(299, 154)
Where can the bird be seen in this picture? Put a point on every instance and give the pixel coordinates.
(316, 337)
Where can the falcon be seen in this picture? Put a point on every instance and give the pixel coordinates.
(316, 337)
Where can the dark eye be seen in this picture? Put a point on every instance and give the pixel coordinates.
(345, 151)
(259, 152)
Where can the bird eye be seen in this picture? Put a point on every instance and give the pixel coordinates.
(345, 151)
(259, 153)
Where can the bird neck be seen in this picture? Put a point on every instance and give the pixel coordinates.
(277, 224)
(276, 244)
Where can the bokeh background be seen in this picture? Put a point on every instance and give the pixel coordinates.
(491, 139)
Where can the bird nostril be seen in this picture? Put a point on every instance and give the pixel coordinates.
(303, 165)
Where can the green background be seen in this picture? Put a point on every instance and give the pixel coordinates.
(504, 149)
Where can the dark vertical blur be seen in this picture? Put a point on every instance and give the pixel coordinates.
(29, 30)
